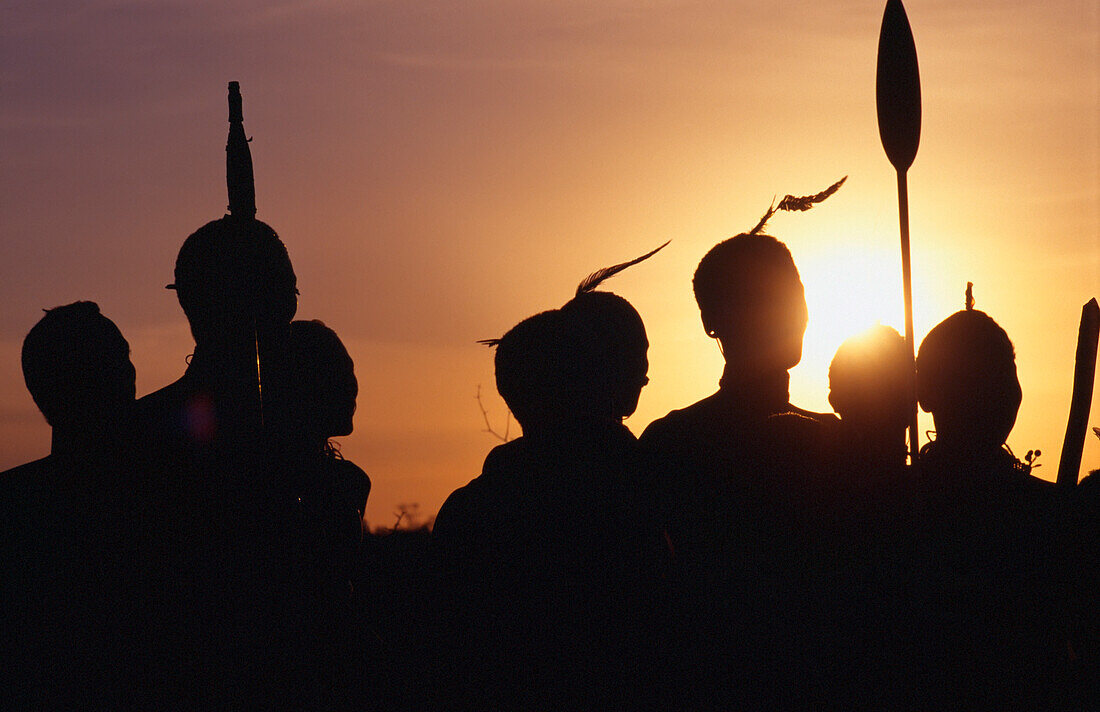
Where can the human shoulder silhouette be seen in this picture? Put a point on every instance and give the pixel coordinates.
(237, 288)
(752, 303)
(966, 378)
(995, 531)
(569, 376)
(67, 518)
(77, 367)
(549, 546)
(320, 403)
(872, 389)
(731, 478)
(212, 445)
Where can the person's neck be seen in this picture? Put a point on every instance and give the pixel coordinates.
(304, 447)
(575, 430)
(767, 390)
(227, 360)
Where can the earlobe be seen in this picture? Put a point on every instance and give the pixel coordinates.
(708, 329)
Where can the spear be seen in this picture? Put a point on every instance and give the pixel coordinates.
(241, 185)
(897, 94)
(239, 178)
(1084, 375)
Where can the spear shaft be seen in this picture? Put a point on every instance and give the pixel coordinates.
(897, 95)
(241, 187)
(907, 292)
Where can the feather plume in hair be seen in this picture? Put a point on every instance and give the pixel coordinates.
(793, 203)
(593, 280)
(969, 296)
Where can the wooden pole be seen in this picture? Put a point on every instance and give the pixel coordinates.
(241, 186)
(907, 292)
(1084, 376)
(897, 94)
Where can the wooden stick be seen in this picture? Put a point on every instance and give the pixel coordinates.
(1084, 376)
(897, 96)
(907, 291)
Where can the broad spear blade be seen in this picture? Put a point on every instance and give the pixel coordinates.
(239, 178)
(897, 88)
(897, 93)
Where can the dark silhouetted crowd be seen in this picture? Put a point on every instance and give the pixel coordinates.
(203, 547)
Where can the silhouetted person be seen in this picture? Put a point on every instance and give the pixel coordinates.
(1085, 599)
(484, 537)
(236, 286)
(872, 509)
(321, 402)
(996, 587)
(871, 388)
(321, 529)
(549, 554)
(213, 483)
(67, 519)
(734, 484)
(752, 302)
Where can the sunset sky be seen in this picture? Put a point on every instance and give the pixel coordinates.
(441, 170)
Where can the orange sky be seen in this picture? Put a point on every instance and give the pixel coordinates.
(439, 171)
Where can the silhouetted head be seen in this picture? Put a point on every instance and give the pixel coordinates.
(532, 369)
(966, 378)
(751, 299)
(232, 273)
(77, 367)
(871, 382)
(609, 359)
(321, 380)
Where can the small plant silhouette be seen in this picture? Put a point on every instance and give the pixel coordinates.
(503, 437)
(410, 513)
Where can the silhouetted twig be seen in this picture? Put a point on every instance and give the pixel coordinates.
(488, 426)
(408, 512)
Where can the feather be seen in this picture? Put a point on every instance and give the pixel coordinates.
(593, 280)
(764, 220)
(489, 342)
(806, 202)
(792, 203)
(969, 296)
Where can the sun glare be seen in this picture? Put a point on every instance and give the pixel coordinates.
(848, 293)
